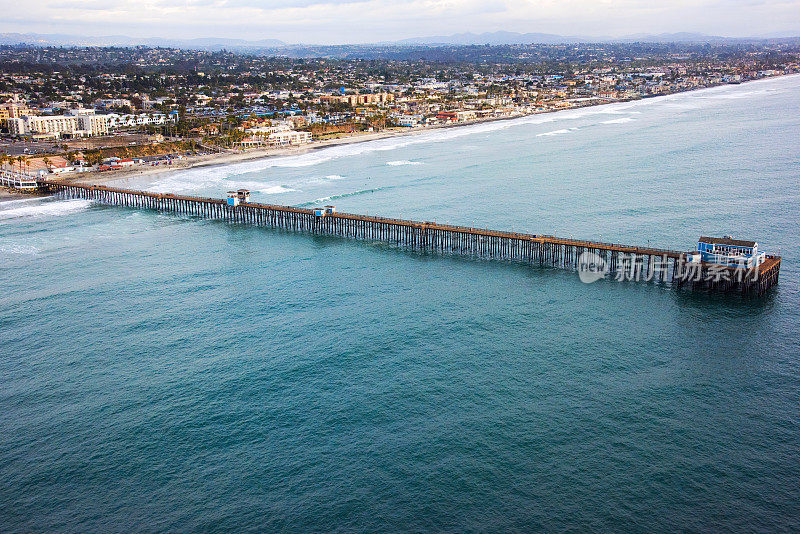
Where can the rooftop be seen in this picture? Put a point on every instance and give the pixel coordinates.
(727, 241)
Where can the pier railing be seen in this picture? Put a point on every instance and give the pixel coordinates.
(625, 262)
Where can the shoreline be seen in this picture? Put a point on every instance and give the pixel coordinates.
(228, 158)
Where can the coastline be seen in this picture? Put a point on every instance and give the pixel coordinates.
(227, 158)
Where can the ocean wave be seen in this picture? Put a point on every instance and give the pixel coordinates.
(275, 190)
(46, 209)
(18, 248)
(18, 201)
(399, 162)
(344, 195)
(213, 180)
(557, 132)
(621, 120)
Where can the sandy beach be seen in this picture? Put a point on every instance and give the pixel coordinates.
(6, 195)
(228, 157)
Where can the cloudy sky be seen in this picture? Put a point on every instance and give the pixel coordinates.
(352, 21)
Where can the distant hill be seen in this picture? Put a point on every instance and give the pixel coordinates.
(512, 38)
(205, 43)
(494, 38)
(458, 39)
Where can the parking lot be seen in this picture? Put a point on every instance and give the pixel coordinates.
(18, 148)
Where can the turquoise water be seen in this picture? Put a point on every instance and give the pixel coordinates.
(167, 373)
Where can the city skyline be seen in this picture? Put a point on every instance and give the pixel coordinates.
(371, 21)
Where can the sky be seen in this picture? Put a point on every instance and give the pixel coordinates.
(361, 21)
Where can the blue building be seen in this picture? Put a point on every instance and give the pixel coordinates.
(729, 251)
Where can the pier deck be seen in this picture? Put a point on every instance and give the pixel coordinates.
(625, 262)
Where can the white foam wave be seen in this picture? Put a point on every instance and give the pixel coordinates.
(19, 201)
(211, 179)
(317, 201)
(403, 162)
(46, 209)
(345, 195)
(275, 190)
(621, 120)
(557, 132)
(334, 177)
(18, 248)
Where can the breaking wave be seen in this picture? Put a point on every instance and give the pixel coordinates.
(621, 120)
(403, 162)
(45, 208)
(345, 195)
(557, 132)
(211, 179)
(18, 248)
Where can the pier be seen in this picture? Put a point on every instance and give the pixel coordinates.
(18, 180)
(624, 262)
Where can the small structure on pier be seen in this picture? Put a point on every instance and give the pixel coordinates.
(237, 197)
(730, 252)
(18, 180)
(326, 210)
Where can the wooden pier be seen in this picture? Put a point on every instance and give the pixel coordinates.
(624, 262)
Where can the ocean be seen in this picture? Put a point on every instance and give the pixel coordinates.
(166, 373)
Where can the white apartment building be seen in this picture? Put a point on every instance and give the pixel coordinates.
(408, 121)
(289, 137)
(56, 124)
(277, 139)
(79, 123)
(94, 124)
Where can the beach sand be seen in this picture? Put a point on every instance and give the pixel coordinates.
(143, 174)
(6, 195)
